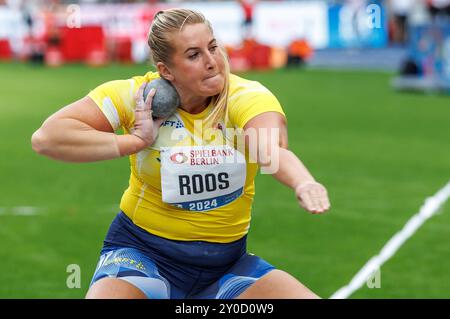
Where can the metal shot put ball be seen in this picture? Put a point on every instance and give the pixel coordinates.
(166, 99)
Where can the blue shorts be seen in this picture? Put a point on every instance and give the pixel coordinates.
(171, 269)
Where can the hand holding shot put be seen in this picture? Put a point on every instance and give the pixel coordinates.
(145, 127)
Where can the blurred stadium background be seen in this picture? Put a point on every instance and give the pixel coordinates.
(364, 84)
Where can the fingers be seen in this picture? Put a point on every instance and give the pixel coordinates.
(313, 197)
(156, 125)
(149, 98)
(144, 125)
(320, 199)
(139, 97)
(306, 200)
(312, 203)
(325, 201)
(143, 109)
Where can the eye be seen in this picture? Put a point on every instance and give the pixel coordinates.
(213, 48)
(193, 56)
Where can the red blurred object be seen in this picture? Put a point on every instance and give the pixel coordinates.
(5, 50)
(53, 57)
(77, 44)
(251, 55)
(239, 60)
(123, 48)
(257, 54)
(300, 48)
(260, 57)
(96, 57)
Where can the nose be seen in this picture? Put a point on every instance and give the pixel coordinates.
(210, 62)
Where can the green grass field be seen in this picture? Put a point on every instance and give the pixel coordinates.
(380, 154)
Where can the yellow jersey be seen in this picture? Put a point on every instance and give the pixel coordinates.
(143, 201)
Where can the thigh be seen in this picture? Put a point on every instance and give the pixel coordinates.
(128, 273)
(231, 282)
(277, 284)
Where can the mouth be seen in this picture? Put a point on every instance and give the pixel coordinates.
(211, 76)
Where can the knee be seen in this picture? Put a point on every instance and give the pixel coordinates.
(114, 288)
(278, 284)
(291, 286)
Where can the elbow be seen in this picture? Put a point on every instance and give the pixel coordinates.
(40, 142)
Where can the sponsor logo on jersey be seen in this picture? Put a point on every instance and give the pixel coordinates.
(179, 158)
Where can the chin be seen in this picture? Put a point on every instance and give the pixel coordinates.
(215, 91)
(212, 90)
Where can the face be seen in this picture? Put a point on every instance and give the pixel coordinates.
(197, 66)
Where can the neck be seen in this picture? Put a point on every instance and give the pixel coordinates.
(194, 105)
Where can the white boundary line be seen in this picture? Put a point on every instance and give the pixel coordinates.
(38, 210)
(20, 210)
(428, 209)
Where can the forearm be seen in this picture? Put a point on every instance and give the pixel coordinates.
(291, 171)
(71, 140)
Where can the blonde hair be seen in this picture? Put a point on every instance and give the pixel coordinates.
(173, 20)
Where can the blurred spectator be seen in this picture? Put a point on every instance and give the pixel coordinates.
(419, 14)
(401, 10)
(439, 9)
(298, 52)
(248, 7)
(409, 67)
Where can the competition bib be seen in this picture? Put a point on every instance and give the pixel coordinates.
(201, 178)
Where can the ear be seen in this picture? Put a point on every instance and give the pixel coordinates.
(164, 71)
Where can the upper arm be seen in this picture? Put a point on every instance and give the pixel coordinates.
(268, 126)
(258, 112)
(84, 110)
